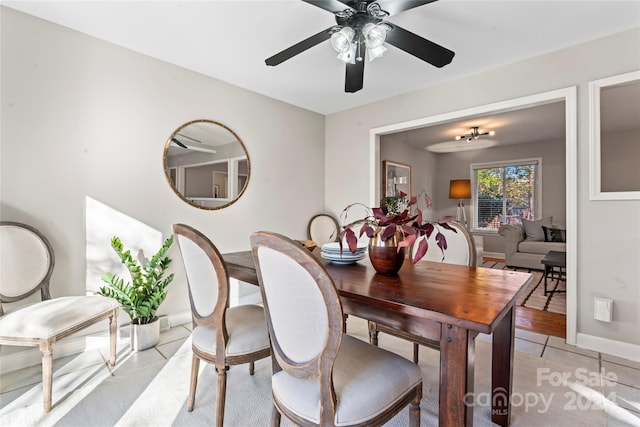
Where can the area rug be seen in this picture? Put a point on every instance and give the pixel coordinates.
(534, 296)
(142, 391)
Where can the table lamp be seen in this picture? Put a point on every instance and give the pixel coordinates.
(460, 189)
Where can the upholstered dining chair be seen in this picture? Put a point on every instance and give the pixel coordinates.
(323, 228)
(321, 376)
(461, 250)
(26, 264)
(221, 335)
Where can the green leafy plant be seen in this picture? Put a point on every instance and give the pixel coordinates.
(142, 297)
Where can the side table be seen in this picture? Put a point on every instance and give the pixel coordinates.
(551, 261)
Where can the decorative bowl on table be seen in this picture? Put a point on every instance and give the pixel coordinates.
(309, 244)
(331, 252)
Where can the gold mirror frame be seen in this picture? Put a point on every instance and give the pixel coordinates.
(193, 146)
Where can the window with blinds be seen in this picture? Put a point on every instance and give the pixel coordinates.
(505, 193)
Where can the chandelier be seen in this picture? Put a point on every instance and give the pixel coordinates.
(365, 29)
(475, 133)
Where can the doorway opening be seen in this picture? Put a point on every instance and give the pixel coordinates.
(569, 97)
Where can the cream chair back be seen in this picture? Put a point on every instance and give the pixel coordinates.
(460, 249)
(207, 277)
(323, 229)
(26, 262)
(303, 309)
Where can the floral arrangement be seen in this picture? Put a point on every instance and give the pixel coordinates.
(397, 214)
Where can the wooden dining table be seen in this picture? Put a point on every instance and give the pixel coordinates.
(447, 303)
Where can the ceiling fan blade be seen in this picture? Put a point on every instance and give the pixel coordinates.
(393, 7)
(299, 47)
(419, 47)
(332, 6)
(178, 143)
(354, 79)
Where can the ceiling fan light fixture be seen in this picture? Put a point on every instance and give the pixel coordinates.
(475, 133)
(349, 55)
(375, 52)
(341, 40)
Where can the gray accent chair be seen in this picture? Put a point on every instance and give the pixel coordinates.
(26, 265)
(221, 335)
(321, 376)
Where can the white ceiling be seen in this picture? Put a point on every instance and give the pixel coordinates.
(229, 40)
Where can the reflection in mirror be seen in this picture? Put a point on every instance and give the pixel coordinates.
(206, 164)
(615, 147)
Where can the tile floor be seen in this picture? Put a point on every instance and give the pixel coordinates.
(621, 392)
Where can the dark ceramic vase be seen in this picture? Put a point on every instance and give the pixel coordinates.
(384, 255)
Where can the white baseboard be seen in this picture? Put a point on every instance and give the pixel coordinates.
(621, 349)
(179, 319)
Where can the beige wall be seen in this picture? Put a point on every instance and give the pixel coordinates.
(600, 244)
(84, 120)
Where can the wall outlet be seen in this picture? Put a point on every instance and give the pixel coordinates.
(603, 309)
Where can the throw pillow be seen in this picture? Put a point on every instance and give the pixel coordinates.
(533, 229)
(554, 234)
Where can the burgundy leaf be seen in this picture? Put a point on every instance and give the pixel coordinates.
(448, 227)
(428, 228)
(445, 219)
(380, 215)
(421, 251)
(352, 241)
(408, 230)
(408, 242)
(442, 241)
(388, 232)
(368, 229)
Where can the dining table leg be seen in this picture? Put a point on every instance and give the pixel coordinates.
(502, 369)
(457, 357)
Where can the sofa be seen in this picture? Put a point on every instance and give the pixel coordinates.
(525, 251)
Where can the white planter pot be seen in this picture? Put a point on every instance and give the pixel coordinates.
(145, 336)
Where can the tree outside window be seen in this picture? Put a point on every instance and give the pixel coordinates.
(505, 194)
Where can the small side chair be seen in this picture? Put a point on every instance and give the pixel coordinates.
(26, 265)
(221, 335)
(461, 250)
(323, 228)
(321, 376)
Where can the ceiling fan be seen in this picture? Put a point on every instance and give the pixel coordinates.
(361, 30)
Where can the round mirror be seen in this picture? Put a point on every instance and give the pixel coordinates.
(206, 164)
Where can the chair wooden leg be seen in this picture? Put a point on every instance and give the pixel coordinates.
(252, 368)
(113, 337)
(414, 409)
(275, 417)
(195, 366)
(416, 350)
(373, 333)
(47, 373)
(222, 390)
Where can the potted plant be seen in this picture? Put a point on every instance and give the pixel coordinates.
(393, 227)
(141, 297)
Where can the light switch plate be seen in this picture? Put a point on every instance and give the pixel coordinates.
(603, 309)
